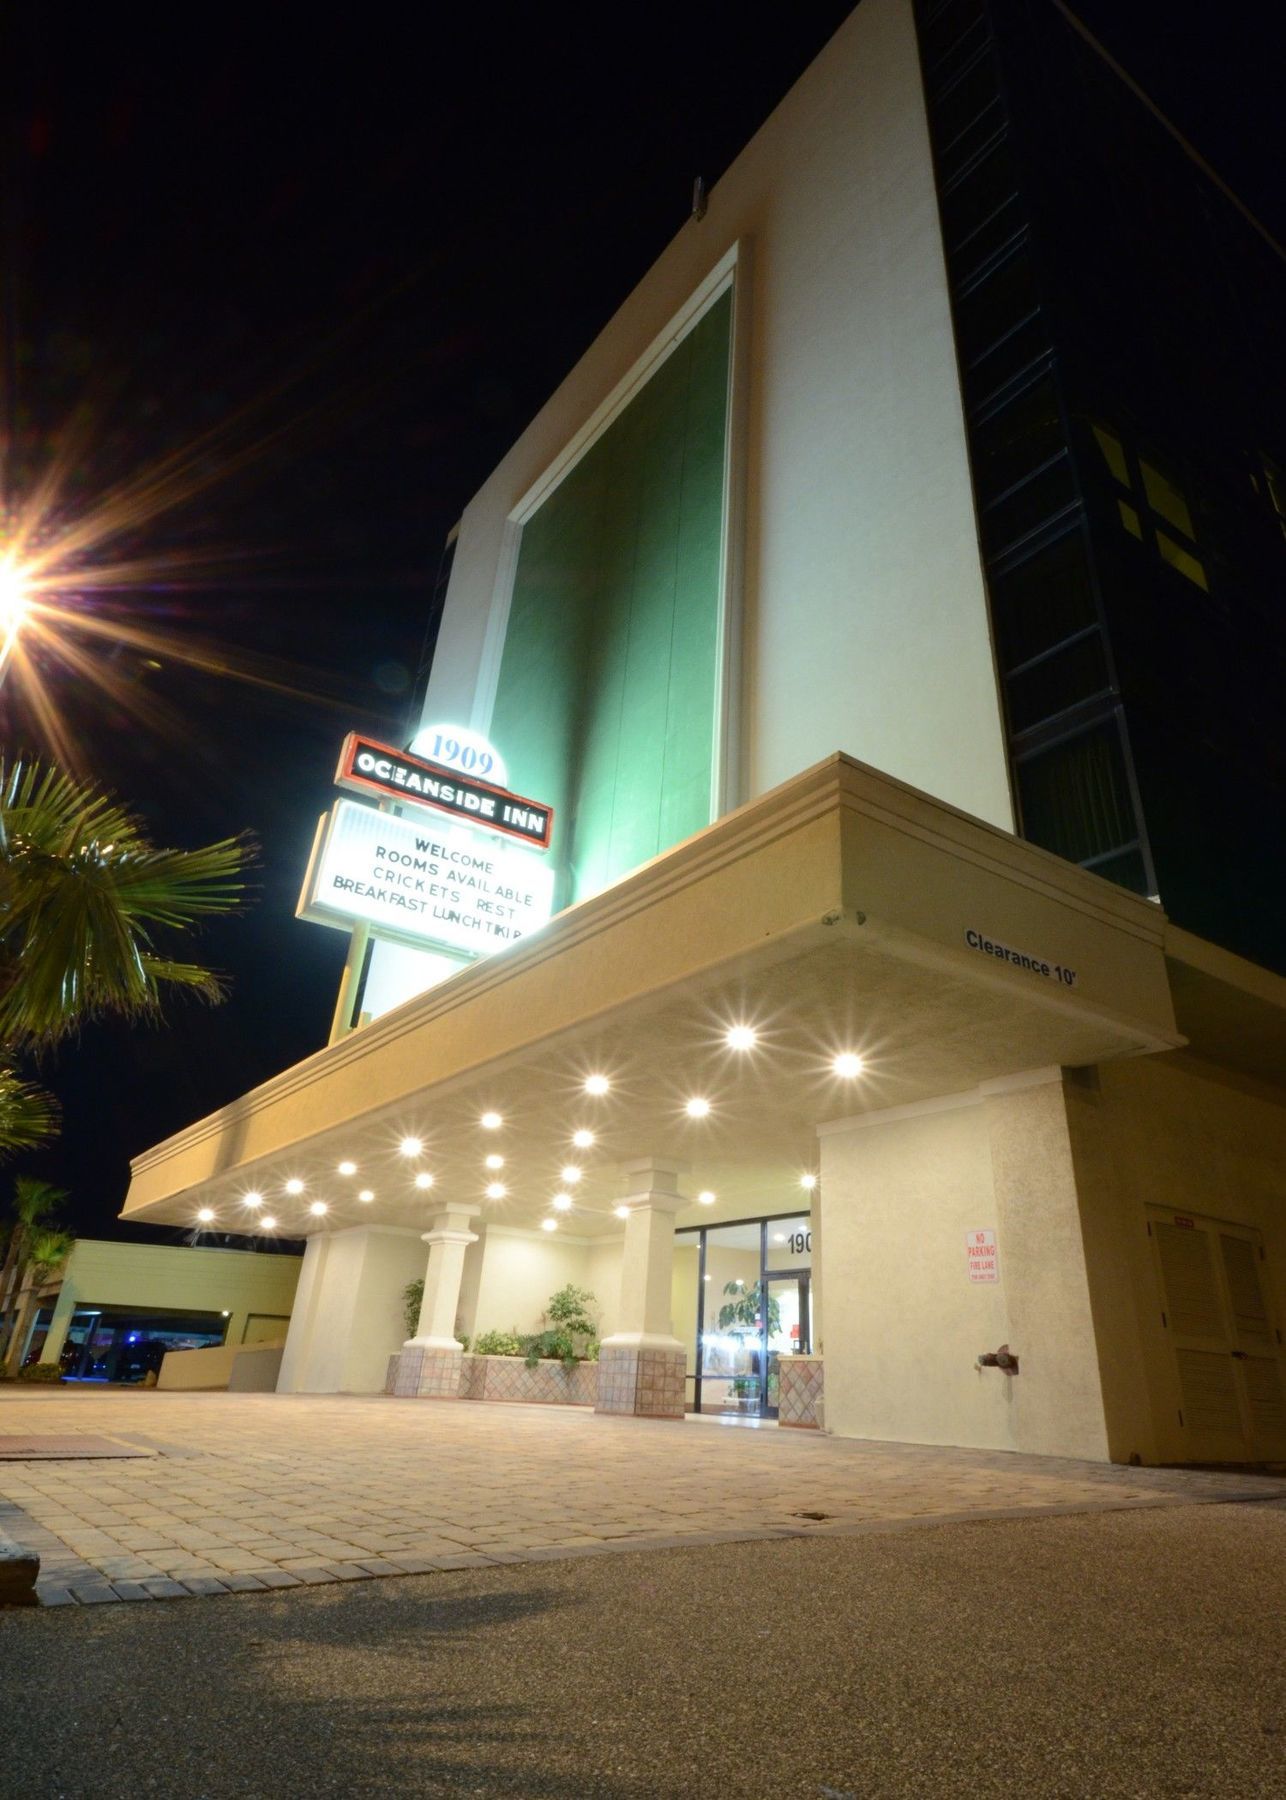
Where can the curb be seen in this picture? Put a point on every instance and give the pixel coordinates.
(18, 1571)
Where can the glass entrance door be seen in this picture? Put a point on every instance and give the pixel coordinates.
(740, 1301)
(788, 1329)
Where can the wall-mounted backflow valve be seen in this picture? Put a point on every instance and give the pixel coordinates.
(1004, 1358)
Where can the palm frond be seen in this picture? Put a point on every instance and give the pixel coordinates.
(80, 889)
(28, 1115)
(35, 1200)
(48, 1250)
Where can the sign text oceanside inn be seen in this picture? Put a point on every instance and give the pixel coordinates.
(420, 879)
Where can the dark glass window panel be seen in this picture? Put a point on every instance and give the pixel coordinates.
(996, 305)
(1050, 686)
(1037, 502)
(976, 93)
(1042, 600)
(950, 35)
(1075, 797)
(1126, 870)
(1012, 356)
(1005, 228)
(1017, 438)
(988, 189)
(988, 126)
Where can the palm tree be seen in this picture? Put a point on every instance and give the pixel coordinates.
(33, 1204)
(47, 1251)
(83, 893)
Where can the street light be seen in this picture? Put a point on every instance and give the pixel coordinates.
(15, 606)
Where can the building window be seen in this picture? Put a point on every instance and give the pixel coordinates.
(607, 693)
(1076, 801)
(1156, 512)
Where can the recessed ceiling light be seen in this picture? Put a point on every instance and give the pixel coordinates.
(347, 1168)
(317, 1208)
(496, 1190)
(268, 1224)
(847, 1065)
(808, 1182)
(561, 1202)
(697, 1108)
(424, 1179)
(779, 1237)
(495, 1161)
(622, 1212)
(597, 1084)
(571, 1175)
(491, 1121)
(705, 1278)
(367, 1194)
(549, 1224)
(410, 1146)
(705, 1198)
(206, 1214)
(252, 1198)
(582, 1139)
(294, 1185)
(742, 1037)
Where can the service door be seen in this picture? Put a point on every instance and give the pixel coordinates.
(1226, 1346)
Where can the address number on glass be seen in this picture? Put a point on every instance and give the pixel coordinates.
(800, 1243)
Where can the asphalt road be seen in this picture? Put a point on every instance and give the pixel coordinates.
(1129, 1653)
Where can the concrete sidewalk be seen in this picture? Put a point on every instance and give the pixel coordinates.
(255, 1491)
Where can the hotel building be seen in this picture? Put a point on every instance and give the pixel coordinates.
(880, 622)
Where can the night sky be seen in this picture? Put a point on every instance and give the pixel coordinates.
(334, 262)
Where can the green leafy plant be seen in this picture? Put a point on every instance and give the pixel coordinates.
(743, 1314)
(570, 1336)
(497, 1343)
(40, 1372)
(412, 1300)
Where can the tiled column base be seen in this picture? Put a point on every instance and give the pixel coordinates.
(647, 1384)
(390, 1379)
(428, 1374)
(800, 1391)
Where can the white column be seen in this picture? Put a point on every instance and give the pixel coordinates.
(448, 1239)
(641, 1365)
(431, 1363)
(56, 1337)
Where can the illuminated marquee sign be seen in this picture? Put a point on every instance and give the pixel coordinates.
(423, 881)
(372, 767)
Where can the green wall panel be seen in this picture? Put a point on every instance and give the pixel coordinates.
(605, 705)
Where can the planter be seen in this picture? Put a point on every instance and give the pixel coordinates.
(509, 1378)
(801, 1391)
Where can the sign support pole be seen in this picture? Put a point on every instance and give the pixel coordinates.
(342, 1023)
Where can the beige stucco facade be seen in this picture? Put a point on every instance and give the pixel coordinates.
(843, 909)
(957, 1037)
(844, 361)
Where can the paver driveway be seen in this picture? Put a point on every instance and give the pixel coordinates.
(242, 1491)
